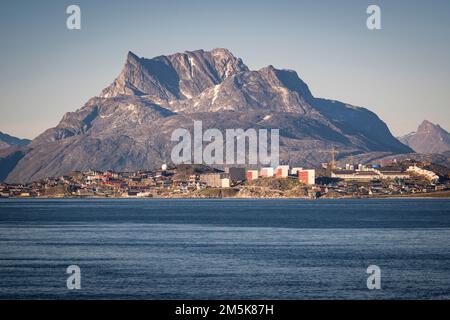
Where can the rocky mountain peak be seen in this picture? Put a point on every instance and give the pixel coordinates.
(427, 126)
(429, 138)
(174, 77)
(132, 58)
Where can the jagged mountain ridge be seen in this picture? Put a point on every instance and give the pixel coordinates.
(129, 125)
(429, 138)
(173, 77)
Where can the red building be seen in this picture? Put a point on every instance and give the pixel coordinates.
(307, 176)
(252, 175)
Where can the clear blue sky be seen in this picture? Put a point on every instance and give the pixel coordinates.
(401, 72)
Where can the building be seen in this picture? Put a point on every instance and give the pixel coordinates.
(361, 167)
(307, 176)
(349, 166)
(430, 175)
(252, 175)
(144, 194)
(355, 175)
(294, 171)
(4, 194)
(266, 172)
(193, 178)
(93, 177)
(369, 174)
(393, 174)
(282, 171)
(225, 182)
(213, 179)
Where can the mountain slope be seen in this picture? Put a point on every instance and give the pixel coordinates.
(9, 158)
(129, 125)
(429, 138)
(7, 141)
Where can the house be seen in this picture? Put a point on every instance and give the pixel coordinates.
(225, 182)
(282, 171)
(252, 175)
(266, 172)
(213, 179)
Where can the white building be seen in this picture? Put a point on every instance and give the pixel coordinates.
(355, 175)
(349, 166)
(393, 174)
(225, 182)
(362, 167)
(430, 175)
(266, 172)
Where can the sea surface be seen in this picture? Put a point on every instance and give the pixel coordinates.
(225, 249)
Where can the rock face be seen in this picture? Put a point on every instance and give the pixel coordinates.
(429, 138)
(129, 125)
(178, 76)
(7, 141)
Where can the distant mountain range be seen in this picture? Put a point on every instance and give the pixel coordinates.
(7, 141)
(429, 138)
(128, 126)
(12, 149)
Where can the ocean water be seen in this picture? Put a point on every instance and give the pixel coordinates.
(225, 249)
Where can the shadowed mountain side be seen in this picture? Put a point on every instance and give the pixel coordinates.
(9, 158)
(362, 123)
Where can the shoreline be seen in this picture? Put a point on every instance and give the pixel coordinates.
(437, 195)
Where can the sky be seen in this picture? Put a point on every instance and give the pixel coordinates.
(401, 72)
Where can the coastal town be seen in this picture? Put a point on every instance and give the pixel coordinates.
(404, 179)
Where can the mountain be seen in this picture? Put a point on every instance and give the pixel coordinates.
(12, 149)
(7, 141)
(129, 125)
(386, 158)
(9, 158)
(429, 138)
